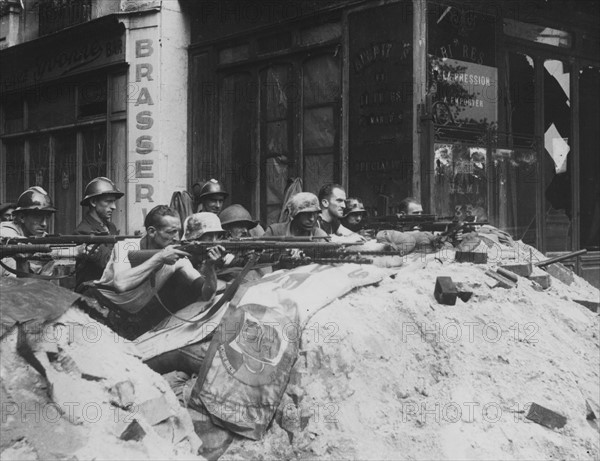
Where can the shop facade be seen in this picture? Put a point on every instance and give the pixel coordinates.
(89, 100)
(475, 108)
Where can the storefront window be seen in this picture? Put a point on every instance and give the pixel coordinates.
(39, 162)
(321, 90)
(15, 170)
(65, 193)
(589, 166)
(461, 181)
(518, 163)
(557, 143)
(94, 153)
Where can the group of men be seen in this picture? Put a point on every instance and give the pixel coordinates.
(135, 296)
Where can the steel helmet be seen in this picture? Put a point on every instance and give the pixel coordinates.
(237, 214)
(35, 198)
(353, 205)
(212, 187)
(201, 223)
(303, 202)
(100, 186)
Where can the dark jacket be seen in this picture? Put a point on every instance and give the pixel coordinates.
(91, 267)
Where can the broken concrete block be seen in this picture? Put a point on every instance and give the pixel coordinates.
(508, 274)
(445, 291)
(134, 431)
(123, 394)
(524, 270)
(594, 306)
(502, 281)
(155, 410)
(471, 257)
(542, 279)
(562, 273)
(545, 417)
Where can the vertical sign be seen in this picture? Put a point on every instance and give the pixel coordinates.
(143, 175)
(380, 106)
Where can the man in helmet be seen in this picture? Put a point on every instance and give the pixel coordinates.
(304, 209)
(211, 197)
(238, 223)
(139, 297)
(32, 217)
(100, 198)
(353, 214)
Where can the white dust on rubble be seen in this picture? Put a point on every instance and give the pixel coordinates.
(95, 389)
(388, 373)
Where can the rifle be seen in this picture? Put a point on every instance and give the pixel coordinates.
(272, 251)
(425, 223)
(69, 240)
(12, 246)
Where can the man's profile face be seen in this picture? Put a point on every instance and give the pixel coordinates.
(236, 231)
(104, 206)
(336, 203)
(7, 215)
(167, 233)
(306, 220)
(213, 203)
(414, 209)
(35, 223)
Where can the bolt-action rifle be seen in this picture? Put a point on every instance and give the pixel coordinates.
(271, 251)
(32, 246)
(449, 226)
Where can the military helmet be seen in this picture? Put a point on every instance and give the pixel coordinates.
(100, 186)
(303, 202)
(35, 198)
(353, 205)
(198, 224)
(212, 187)
(237, 214)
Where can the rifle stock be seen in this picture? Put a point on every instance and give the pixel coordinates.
(7, 251)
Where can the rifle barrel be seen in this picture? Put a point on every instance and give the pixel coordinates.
(6, 251)
(92, 239)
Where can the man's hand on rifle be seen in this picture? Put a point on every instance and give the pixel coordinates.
(170, 255)
(215, 253)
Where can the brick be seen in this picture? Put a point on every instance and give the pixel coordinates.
(123, 394)
(560, 272)
(134, 431)
(471, 257)
(445, 291)
(545, 417)
(155, 410)
(523, 270)
(543, 280)
(502, 281)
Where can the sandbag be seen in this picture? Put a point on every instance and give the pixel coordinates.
(404, 242)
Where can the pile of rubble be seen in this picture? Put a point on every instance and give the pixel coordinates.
(73, 389)
(387, 372)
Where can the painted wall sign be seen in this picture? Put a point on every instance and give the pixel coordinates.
(57, 61)
(463, 78)
(143, 100)
(381, 91)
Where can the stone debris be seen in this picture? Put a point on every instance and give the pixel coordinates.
(94, 399)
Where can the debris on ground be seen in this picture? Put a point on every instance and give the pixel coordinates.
(72, 389)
